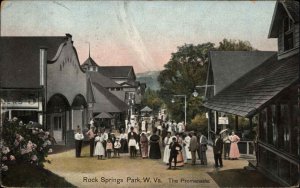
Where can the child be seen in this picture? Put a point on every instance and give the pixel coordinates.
(109, 148)
(117, 147)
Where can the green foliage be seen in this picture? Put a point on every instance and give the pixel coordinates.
(235, 45)
(151, 98)
(186, 69)
(23, 144)
(199, 124)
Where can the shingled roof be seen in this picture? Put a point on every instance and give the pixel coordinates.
(106, 101)
(19, 59)
(246, 96)
(102, 80)
(228, 66)
(116, 71)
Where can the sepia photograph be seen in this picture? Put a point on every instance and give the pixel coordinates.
(149, 93)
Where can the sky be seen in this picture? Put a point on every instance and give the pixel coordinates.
(140, 33)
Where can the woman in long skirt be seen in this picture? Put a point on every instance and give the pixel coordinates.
(99, 148)
(180, 160)
(234, 149)
(124, 142)
(187, 140)
(167, 142)
(144, 145)
(154, 146)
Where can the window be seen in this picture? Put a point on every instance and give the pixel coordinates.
(57, 123)
(295, 134)
(271, 117)
(263, 125)
(288, 41)
(269, 125)
(288, 33)
(287, 24)
(283, 124)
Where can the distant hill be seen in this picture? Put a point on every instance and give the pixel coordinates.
(150, 78)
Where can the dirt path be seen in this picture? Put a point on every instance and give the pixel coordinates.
(126, 172)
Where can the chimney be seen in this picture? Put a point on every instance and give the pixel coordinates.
(69, 37)
(43, 65)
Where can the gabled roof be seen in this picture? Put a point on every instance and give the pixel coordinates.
(130, 83)
(146, 109)
(106, 101)
(282, 7)
(228, 66)
(19, 59)
(104, 115)
(116, 71)
(102, 80)
(246, 96)
(89, 62)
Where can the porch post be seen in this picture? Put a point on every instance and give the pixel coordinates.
(236, 125)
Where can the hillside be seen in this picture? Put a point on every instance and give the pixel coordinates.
(150, 78)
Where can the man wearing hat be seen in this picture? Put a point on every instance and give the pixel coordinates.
(217, 149)
(202, 143)
(174, 149)
(91, 135)
(193, 146)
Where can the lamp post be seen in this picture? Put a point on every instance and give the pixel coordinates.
(195, 94)
(184, 106)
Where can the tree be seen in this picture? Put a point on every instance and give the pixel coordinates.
(235, 45)
(186, 69)
(151, 98)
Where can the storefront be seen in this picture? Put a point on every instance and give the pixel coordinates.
(25, 104)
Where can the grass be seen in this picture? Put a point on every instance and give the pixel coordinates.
(27, 175)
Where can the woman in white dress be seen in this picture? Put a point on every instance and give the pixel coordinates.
(186, 142)
(99, 148)
(167, 150)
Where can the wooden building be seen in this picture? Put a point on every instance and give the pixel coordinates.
(119, 81)
(42, 81)
(270, 92)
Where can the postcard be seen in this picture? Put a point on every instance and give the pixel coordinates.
(150, 93)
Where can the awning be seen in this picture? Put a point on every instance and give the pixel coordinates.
(246, 96)
(146, 109)
(104, 115)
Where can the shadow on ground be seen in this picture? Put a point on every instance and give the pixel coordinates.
(28, 175)
(241, 178)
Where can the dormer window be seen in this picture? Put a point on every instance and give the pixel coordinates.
(288, 33)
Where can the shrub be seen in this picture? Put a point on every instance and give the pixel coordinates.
(23, 143)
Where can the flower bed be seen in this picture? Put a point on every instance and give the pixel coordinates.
(24, 143)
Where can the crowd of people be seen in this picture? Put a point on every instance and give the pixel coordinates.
(179, 145)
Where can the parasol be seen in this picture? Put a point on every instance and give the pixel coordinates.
(223, 131)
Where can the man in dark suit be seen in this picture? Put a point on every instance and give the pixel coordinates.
(174, 149)
(218, 148)
(132, 141)
(193, 146)
(202, 147)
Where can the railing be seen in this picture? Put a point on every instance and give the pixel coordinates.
(246, 147)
